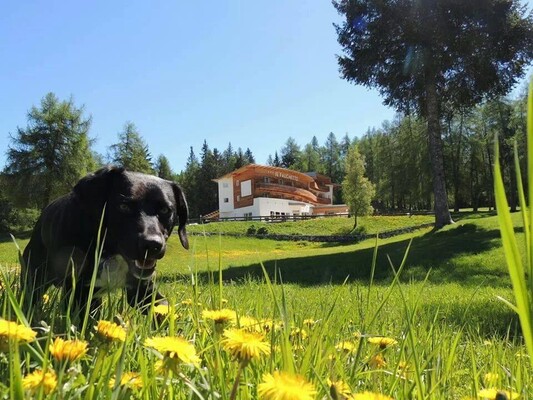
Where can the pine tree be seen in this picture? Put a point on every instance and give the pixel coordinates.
(206, 189)
(249, 157)
(163, 169)
(426, 55)
(291, 154)
(131, 151)
(50, 155)
(188, 180)
(228, 160)
(276, 162)
(331, 158)
(240, 160)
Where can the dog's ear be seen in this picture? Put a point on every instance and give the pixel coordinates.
(182, 213)
(92, 190)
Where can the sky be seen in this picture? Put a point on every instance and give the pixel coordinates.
(253, 73)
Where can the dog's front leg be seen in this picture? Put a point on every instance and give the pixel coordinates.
(142, 295)
(76, 299)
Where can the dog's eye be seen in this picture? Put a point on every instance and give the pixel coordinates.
(124, 207)
(164, 210)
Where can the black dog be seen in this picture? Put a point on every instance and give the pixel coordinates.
(133, 214)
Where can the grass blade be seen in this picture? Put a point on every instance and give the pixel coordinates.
(512, 255)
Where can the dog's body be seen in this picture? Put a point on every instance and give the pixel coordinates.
(133, 214)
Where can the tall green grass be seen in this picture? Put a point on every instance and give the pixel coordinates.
(450, 338)
(521, 272)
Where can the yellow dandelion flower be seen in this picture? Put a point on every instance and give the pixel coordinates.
(285, 386)
(377, 361)
(493, 394)
(346, 347)
(161, 309)
(298, 347)
(129, 380)
(222, 316)
(37, 379)
(69, 350)
(271, 325)
(491, 379)
(298, 334)
(382, 341)
(175, 348)
(338, 389)
(111, 332)
(250, 324)
(244, 346)
(189, 302)
(370, 396)
(12, 331)
(404, 369)
(309, 322)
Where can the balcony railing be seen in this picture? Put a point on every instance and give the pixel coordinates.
(295, 192)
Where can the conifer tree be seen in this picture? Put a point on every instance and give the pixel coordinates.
(48, 157)
(131, 151)
(428, 54)
(163, 169)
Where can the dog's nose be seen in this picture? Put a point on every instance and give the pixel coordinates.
(152, 246)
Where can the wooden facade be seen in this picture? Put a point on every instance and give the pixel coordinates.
(250, 188)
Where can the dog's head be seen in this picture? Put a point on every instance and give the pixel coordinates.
(140, 213)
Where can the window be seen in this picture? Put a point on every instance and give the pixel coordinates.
(226, 200)
(238, 198)
(266, 179)
(246, 188)
(248, 216)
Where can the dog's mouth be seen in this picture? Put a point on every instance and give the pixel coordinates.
(145, 263)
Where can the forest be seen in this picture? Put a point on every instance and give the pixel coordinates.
(446, 70)
(55, 149)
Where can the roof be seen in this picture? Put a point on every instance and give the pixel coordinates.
(275, 171)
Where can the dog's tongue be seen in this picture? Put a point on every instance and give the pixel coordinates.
(145, 264)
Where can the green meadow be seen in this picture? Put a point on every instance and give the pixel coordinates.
(436, 294)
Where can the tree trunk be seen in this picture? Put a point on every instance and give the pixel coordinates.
(442, 212)
(456, 166)
(354, 222)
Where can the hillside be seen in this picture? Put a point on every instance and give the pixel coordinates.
(468, 252)
(316, 226)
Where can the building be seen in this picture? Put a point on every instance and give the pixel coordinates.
(272, 192)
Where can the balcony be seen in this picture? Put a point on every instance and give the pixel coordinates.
(288, 192)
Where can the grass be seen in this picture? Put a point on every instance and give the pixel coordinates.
(317, 226)
(443, 311)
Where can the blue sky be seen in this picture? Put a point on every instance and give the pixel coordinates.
(251, 73)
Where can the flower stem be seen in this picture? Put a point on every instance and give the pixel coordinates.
(235, 387)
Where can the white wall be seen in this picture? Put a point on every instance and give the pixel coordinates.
(225, 191)
(263, 206)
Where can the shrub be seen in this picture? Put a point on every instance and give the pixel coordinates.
(5, 214)
(262, 231)
(22, 219)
